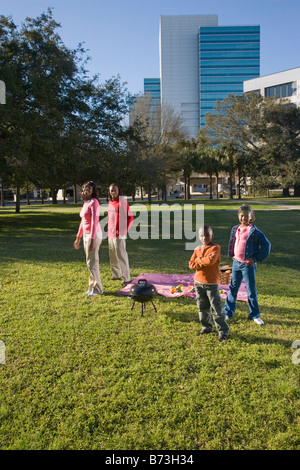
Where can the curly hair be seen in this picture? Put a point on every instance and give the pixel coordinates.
(95, 193)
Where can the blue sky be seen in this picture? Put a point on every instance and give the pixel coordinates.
(122, 36)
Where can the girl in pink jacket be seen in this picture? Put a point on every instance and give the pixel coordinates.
(90, 231)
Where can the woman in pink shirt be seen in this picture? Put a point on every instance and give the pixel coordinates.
(120, 220)
(90, 230)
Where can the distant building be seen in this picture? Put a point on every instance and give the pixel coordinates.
(152, 88)
(284, 84)
(179, 65)
(201, 63)
(229, 55)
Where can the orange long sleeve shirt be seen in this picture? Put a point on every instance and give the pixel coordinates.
(206, 260)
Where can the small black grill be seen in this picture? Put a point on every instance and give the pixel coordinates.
(142, 292)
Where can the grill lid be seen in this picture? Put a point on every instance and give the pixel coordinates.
(142, 291)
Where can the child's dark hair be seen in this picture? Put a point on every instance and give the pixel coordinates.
(206, 227)
(247, 210)
(113, 184)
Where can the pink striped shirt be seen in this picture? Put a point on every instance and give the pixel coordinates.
(89, 218)
(240, 242)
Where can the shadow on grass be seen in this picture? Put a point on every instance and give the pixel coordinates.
(48, 235)
(259, 339)
(43, 220)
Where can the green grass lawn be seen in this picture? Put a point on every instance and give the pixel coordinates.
(90, 373)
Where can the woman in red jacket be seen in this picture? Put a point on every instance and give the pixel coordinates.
(120, 219)
(90, 230)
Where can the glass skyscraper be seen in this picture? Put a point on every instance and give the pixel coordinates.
(201, 63)
(228, 55)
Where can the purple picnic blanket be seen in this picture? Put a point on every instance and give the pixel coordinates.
(163, 282)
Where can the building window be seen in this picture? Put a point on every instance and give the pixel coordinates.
(200, 188)
(253, 91)
(281, 91)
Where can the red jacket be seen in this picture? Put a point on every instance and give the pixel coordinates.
(120, 218)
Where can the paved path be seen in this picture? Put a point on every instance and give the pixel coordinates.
(281, 206)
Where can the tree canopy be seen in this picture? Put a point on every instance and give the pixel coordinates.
(58, 125)
(261, 137)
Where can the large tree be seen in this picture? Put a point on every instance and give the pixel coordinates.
(13, 124)
(58, 125)
(260, 137)
(282, 144)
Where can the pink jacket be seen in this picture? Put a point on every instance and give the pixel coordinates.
(89, 218)
(120, 217)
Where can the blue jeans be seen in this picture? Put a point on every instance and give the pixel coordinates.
(241, 271)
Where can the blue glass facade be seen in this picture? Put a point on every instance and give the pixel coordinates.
(152, 88)
(228, 55)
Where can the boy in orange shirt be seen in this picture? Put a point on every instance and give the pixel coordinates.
(206, 260)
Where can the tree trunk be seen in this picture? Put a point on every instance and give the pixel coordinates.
(210, 186)
(18, 200)
(149, 193)
(42, 195)
(142, 195)
(297, 190)
(231, 184)
(27, 194)
(239, 177)
(285, 192)
(74, 193)
(164, 192)
(2, 196)
(54, 195)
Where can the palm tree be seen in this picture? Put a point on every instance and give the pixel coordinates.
(209, 163)
(229, 155)
(208, 160)
(186, 154)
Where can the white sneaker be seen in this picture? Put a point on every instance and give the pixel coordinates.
(90, 294)
(227, 317)
(258, 321)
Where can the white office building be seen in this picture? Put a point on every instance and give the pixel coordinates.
(179, 64)
(284, 84)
